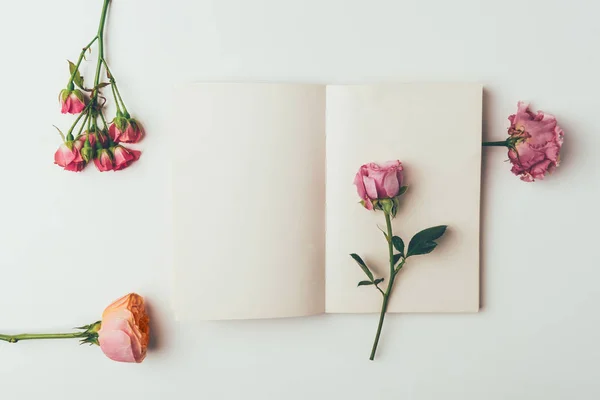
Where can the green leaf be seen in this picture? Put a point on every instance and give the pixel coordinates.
(363, 266)
(378, 281)
(365, 283)
(403, 190)
(77, 79)
(396, 207)
(62, 135)
(101, 85)
(398, 244)
(384, 233)
(397, 258)
(424, 241)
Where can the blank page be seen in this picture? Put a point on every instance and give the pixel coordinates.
(435, 130)
(249, 201)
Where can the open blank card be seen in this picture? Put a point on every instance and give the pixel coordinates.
(265, 212)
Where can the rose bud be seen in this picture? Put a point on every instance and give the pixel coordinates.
(375, 183)
(534, 143)
(104, 161)
(124, 157)
(125, 330)
(95, 137)
(72, 101)
(69, 156)
(125, 130)
(87, 151)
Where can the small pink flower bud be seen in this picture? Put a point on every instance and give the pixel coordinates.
(124, 157)
(69, 156)
(125, 130)
(104, 160)
(72, 101)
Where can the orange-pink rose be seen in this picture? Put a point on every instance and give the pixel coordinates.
(125, 330)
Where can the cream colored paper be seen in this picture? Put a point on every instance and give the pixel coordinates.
(249, 201)
(435, 130)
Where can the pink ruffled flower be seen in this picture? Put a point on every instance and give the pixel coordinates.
(104, 161)
(69, 156)
(125, 130)
(376, 182)
(125, 331)
(72, 101)
(534, 143)
(124, 157)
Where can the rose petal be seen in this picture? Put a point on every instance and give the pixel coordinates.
(360, 185)
(370, 187)
(64, 156)
(538, 139)
(391, 186)
(116, 345)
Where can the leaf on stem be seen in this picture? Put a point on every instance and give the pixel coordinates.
(424, 242)
(363, 266)
(378, 281)
(364, 283)
(62, 135)
(397, 258)
(77, 78)
(101, 85)
(384, 233)
(398, 244)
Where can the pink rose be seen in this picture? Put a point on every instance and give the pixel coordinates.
(72, 101)
(125, 130)
(376, 182)
(104, 161)
(69, 156)
(125, 330)
(124, 157)
(534, 143)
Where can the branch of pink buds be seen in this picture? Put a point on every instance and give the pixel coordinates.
(90, 137)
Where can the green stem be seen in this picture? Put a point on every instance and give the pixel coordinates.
(87, 116)
(81, 56)
(36, 336)
(85, 113)
(113, 85)
(381, 317)
(101, 44)
(103, 119)
(115, 90)
(503, 143)
(388, 292)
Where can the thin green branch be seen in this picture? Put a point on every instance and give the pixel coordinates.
(87, 116)
(35, 336)
(503, 143)
(101, 42)
(115, 88)
(80, 59)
